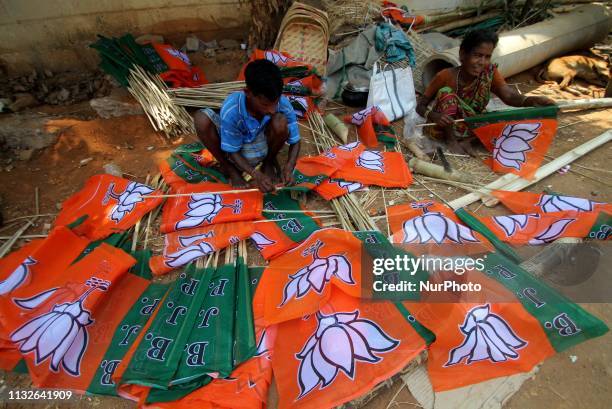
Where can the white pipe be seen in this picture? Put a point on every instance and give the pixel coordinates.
(524, 48)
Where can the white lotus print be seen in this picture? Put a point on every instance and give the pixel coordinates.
(371, 160)
(60, 334)
(204, 207)
(552, 232)
(348, 186)
(358, 118)
(299, 103)
(262, 345)
(339, 342)
(261, 241)
(317, 273)
(487, 337)
(557, 203)
(188, 254)
(34, 301)
(436, 227)
(189, 240)
(17, 277)
(510, 147)
(510, 224)
(133, 194)
(277, 57)
(349, 146)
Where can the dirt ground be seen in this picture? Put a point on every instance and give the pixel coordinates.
(130, 143)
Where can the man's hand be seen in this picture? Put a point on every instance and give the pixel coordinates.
(287, 175)
(441, 120)
(538, 101)
(264, 183)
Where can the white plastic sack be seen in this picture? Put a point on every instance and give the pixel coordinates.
(392, 91)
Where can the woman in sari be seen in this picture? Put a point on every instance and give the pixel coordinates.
(464, 91)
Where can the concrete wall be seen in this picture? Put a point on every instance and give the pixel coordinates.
(54, 34)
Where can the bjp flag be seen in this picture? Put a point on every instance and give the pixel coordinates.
(387, 169)
(310, 171)
(544, 228)
(299, 281)
(528, 202)
(197, 208)
(517, 138)
(190, 164)
(370, 122)
(111, 204)
(184, 246)
(281, 231)
(341, 352)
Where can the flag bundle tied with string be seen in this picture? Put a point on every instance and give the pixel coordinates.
(110, 204)
(197, 208)
(341, 351)
(513, 323)
(517, 138)
(283, 231)
(70, 327)
(373, 127)
(190, 164)
(184, 246)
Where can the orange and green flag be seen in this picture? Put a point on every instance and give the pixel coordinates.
(386, 169)
(311, 171)
(517, 138)
(190, 164)
(111, 205)
(342, 351)
(196, 207)
(529, 202)
(373, 127)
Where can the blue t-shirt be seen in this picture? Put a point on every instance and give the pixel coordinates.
(239, 127)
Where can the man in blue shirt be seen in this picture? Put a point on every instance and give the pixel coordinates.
(253, 126)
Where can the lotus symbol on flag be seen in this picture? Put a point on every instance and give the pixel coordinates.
(277, 57)
(317, 274)
(349, 146)
(557, 203)
(358, 118)
(61, 333)
(434, 226)
(261, 241)
(552, 232)
(348, 186)
(188, 254)
(17, 277)
(299, 103)
(339, 341)
(510, 147)
(371, 160)
(134, 193)
(262, 345)
(487, 336)
(511, 223)
(204, 207)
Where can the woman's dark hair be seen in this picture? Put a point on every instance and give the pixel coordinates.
(474, 38)
(264, 78)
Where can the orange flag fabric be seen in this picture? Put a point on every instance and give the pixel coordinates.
(365, 121)
(184, 246)
(529, 202)
(311, 171)
(387, 169)
(299, 281)
(339, 353)
(199, 208)
(543, 228)
(111, 204)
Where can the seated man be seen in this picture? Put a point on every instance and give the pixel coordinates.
(253, 127)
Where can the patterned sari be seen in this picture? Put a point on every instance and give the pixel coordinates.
(471, 100)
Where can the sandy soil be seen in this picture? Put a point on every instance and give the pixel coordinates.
(130, 143)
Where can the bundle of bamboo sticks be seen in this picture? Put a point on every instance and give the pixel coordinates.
(152, 94)
(205, 96)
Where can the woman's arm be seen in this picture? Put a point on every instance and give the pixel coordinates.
(510, 96)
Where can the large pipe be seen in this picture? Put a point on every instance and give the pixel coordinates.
(524, 48)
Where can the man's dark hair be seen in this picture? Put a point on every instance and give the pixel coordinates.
(476, 37)
(264, 78)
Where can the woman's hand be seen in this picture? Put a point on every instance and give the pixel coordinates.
(538, 101)
(441, 120)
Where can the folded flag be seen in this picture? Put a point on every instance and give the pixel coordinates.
(387, 169)
(180, 72)
(372, 127)
(274, 238)
(544, 228)
(517, 138)
(479, 340)
(528, 202)
(341, 352)
(303, 105)
(299, 281)
(311, 171)
(184, 246)
(198, 208)
(190, 164)
(111, 204)
(340, 155)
